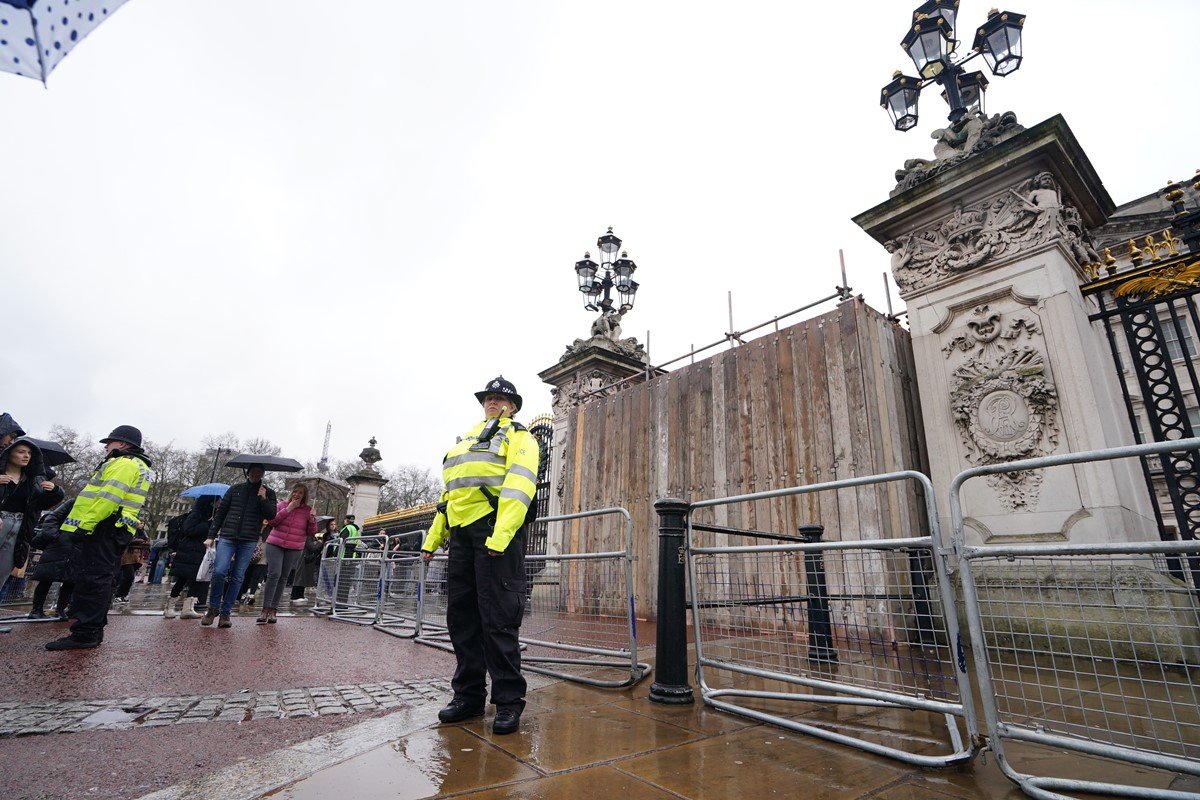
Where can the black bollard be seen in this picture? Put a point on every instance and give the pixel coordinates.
(671, 665)
(820, 630)
(920, 566)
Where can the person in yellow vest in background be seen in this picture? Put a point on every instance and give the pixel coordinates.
(101, 522)
(491, 480)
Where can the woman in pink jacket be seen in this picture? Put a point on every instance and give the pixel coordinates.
(294, 522)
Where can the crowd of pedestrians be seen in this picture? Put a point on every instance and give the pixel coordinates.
(95, 546)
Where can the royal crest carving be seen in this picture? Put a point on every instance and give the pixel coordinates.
(1003, 401)
(1018, 218)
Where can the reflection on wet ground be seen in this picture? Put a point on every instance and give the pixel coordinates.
(577, 741)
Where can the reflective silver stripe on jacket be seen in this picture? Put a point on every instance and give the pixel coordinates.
(121, 485)
(525, 472)
(483, 480)
(104, 495)
(516, 494)
(490, 458)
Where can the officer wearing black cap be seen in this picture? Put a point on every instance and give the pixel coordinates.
(102, 522)
(491, 480)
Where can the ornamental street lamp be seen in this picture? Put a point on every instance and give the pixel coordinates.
(596, 281)
(930, 43)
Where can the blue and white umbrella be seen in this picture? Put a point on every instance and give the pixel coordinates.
(36, 34)
(206, 490)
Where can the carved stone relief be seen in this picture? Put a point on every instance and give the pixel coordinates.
(582, 386)
(955, 143)
(1003, 401)
(1016, 219)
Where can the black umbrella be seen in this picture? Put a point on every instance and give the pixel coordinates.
(269, 463)
(53, 453)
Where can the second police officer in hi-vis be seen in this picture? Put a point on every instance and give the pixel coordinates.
(491, 479)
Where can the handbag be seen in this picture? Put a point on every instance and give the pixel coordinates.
(205, 571)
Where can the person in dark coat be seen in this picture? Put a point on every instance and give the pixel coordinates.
(56, 565)
(10, 431)
(235, 529)
(25, 492)
(186, 563)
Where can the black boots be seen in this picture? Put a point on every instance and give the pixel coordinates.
(507, 721)
(71, 643)
(458, 710)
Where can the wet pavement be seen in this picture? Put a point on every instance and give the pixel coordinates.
(131, 702)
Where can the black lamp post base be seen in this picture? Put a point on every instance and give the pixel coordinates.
(671, 694)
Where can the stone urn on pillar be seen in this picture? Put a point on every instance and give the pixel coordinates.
(989, 243)
(366, 484)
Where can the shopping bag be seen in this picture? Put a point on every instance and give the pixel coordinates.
(205, 571)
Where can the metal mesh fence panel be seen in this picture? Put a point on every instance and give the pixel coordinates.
(759, 611)
(399, 590)
(1092, 648)
(578, 619)
(1086, 648)
(356, 593)
(832, 638)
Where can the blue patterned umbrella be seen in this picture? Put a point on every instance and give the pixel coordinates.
(36, 34)
(206, 490)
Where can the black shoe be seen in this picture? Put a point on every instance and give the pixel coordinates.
(458, 710)
(507, 721)
(36, 613)
(71, 643)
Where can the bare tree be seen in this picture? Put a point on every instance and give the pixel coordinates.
(408, 486)
(87, 453)
(174, 471)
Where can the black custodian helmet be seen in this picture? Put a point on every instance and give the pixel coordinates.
(124, 433)
(500, 386)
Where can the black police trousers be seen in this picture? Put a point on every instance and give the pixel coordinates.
(485, 603)
(98, 560)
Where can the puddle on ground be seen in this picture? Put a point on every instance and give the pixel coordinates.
(115, 716)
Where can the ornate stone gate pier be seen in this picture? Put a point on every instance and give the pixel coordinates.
(989, 246)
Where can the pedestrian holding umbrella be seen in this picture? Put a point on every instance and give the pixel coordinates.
(35, 35)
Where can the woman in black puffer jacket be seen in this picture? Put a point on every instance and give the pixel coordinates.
(188, 555)
(57, 563)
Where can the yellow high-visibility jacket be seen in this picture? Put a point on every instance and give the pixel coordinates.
(505, 467)
(119, 485)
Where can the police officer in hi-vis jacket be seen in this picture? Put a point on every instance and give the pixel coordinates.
(491, 479)
(101, 522)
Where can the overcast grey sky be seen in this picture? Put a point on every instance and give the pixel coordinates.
(256, 216)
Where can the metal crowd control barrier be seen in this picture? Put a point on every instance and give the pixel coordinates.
(867, 623)
(327, 574)
(1089, 648)
(578, 616)
(400, 585)
(357, 586)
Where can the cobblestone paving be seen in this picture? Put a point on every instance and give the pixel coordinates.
(31, 718)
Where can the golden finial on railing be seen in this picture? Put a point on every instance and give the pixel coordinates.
(1110, 263)
(1135, 255)
(1174, 196)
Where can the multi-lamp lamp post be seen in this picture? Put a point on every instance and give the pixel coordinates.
(931, 44)
(596, 281)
